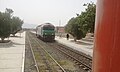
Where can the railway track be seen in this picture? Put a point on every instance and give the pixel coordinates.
(44, 62)
(84, 61)
(29, 65)
(79, 58)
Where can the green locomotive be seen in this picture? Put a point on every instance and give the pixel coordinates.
(46, 32)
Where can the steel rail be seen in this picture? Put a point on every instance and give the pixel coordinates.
(75, 59)
(50, 55)
(61, 49)
(36, 65)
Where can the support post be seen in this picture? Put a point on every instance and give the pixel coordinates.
(106, 56)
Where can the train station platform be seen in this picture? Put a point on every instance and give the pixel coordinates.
(81, 45)
(12, 54)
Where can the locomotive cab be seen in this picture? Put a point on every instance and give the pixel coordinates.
(46, 32)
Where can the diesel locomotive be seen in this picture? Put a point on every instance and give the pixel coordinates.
(46, 32)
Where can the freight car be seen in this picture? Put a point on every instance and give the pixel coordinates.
(46, 32)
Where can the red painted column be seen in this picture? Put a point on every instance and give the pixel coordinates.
(106, 56)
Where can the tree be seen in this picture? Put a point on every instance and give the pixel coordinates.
(73, 28)
(89, 19)
(16, 25)
(5, 19)
(9, 24)
(83, 23)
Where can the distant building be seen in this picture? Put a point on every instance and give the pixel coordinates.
(60, 29)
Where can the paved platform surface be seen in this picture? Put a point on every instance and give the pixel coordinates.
(86, 48)
(12, 54)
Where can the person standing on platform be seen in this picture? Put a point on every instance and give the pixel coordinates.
(67, 36)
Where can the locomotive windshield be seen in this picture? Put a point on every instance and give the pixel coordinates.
(48, 28)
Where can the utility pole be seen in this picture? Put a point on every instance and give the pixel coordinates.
(59, 28)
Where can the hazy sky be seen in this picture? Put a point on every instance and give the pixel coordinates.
(42, 11)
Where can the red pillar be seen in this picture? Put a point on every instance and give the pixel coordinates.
(106, 56)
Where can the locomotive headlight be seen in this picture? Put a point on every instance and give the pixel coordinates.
(52, 33)
(45, 33)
